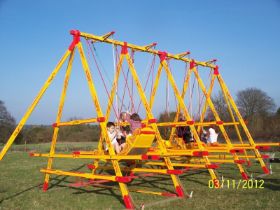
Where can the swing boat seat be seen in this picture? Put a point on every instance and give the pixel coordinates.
(139, 143)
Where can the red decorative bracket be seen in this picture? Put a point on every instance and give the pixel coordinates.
(219, 122)
(263, 147)
(162, 55)
(174, 171)
(152, 120)
(91, 166)
(265, 170)
(45, 186)
(147, 132)
(128, 202)
(123, 179)
(155, 157)
(76, 153)
(76, 39)
(244, 176)
(192, 64)
(200, 153)
(190, 122)
(240, 161)
(150, 157)
(100, 119)
(232, 151)
(212, 166)
(265, 156)
(124, 48)
(144, 157)
(180, 191)
(216, 70)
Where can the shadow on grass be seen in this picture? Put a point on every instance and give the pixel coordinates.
(39, 186)
(21, 192)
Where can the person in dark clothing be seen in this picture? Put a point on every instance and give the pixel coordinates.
(184, 132)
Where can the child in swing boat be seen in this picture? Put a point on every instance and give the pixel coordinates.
(184, 132)
(124, 128)
(114, 134)
(134, 120)
(212, 136)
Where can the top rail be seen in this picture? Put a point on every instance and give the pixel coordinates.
(142, 48)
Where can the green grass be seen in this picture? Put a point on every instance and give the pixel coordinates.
(21, 183)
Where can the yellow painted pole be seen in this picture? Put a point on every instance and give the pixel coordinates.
(143, 49)
(184, 91)
(233, 119)
(176, 181)
(33, 105)
(115, 163)
(240, 118)
(155, 86)
(188, 118)
(112, 96)
(215, 113)
(202, 116)
(58, 117)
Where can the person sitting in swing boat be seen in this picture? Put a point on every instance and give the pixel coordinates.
(212, 135)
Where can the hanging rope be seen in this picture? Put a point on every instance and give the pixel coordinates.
(115, 69)
(122, 101)
(126, 81)
(191, 98)
(151, 69)
(100, 74)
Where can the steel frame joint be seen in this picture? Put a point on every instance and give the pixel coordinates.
(76, 39)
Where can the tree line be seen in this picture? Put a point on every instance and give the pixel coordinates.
(256, 107)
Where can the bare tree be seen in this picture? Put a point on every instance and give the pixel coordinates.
(254, 102)
(5, 116)
(221, 106)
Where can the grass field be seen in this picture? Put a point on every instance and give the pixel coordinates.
(21, 183)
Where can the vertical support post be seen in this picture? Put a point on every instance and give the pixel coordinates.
(112, 95)
(155, 86)
(240, 118)
(58, 118)
(183, 107)
(176, 181)
(202, 116)
(214, 111)
(184, 91)
(115, 163)
(233, 118)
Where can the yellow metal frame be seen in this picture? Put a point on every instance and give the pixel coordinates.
(168, 159)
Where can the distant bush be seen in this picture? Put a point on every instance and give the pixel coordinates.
(43, 133)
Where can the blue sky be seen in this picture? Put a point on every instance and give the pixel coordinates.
(242, 35)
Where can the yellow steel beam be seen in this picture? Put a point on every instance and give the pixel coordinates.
(178, 186)
(58, 117)
(185, 123)
(76, 122)
(216, 115)
(89, 156)
(34, 104)
(79, 174)
(240, 119)
(143, 49)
